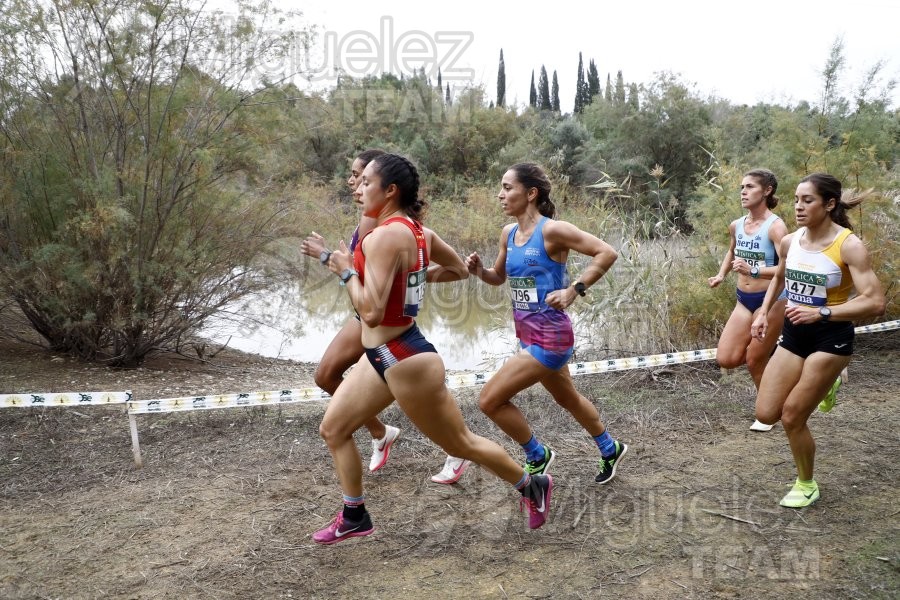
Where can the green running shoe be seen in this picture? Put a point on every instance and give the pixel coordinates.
(830, 398)
(541, 466)
(801, 495)
(608, 465)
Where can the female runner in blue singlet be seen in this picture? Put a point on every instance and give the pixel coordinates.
(532, 258)
(753, 255)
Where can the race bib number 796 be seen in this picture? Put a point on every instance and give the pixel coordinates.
(523, 291)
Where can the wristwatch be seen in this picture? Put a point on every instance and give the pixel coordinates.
(580, 288)
(825, 313)
(346, 274)
(324, 256)
(754, 272)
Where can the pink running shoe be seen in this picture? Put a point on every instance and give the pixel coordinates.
(539, 503)
(341, 529)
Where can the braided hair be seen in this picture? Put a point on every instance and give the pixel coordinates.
(766, 178)
(531, 175)
(400, 171)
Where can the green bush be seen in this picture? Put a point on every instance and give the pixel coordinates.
(128, 213)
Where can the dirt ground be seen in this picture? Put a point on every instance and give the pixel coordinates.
(227, 499)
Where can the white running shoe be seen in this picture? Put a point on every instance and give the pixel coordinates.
(381, 449)
(452, 471)
(758, 426)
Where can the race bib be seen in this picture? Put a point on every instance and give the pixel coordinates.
(415, 293)
(805, 288)
(523, 291)
(754, 259)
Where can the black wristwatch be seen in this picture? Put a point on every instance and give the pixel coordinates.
(324, 256)
(754, 272)
(825, 313)
(580, 288)
(346, 274)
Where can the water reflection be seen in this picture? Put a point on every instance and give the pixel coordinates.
(468, 322)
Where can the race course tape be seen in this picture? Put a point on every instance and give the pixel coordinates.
(637, 362)
(461, 380)
(600, 366)
(313, 394)
(63, 399)
(165, 405)
(886, 326)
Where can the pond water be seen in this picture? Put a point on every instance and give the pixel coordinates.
(470, 323)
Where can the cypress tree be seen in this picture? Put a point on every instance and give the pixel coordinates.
(440, 86)
(633, 100)
(593, 81)
(532, 96)
(554, 94)
(447, 98)
(544, 90)
(608, 95)
(579, 86)
(501, 82)
(620, 88)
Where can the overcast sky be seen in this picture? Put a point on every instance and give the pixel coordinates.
(764, 50)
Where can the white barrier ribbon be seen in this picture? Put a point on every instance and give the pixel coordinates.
(886, 326)
(62, 399)
(185, 403)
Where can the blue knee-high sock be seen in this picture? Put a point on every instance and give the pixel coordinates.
(534, 450)
(606, 444)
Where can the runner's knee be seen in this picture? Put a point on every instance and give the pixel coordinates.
(332, 431)
(326, 378)
(792, 420)
(729, 361)
(767, 414)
